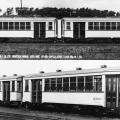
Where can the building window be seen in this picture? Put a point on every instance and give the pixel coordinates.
(50, 26)
(88, 83)
(26, 85)
(5, 25)
(90, 25)
(68, 26)
(59, 84)
(66, 84)
(19, 86)
(22, 25)
(11, 26)
(97, 83)
(28, 26)
(53, 84)
(72, 83)
(80, 84)
(47, 85)
(13, 86)
(16, 25)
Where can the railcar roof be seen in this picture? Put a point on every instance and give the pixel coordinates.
(10, 77)
(91, 18)
(83, 71)
(26, 18)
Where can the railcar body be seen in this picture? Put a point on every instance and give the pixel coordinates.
(43, 28)
(83, 28)
(11, 89)
(27, 27)
(92, 87)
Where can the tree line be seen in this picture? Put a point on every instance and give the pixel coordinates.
(60, 12)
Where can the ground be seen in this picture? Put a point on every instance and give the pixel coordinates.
(25, 114)
(61, 51)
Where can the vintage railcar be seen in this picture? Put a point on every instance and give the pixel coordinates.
(91, 28)
(94, 88)
(97, 89)
(11, 89)
(54, 30)
(28, 27)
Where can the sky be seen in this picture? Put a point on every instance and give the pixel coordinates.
(98, 4)
(25, 67)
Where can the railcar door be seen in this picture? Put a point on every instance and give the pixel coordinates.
(79, 30)
(36, 91)
(6, 91)
(111, 92)
(39, 30)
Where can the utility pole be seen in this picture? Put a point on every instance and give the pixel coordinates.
(21, 4)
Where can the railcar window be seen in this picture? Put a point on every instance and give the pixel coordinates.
(98, 83)
(108, 26)
(68, 26)
(88, 83)
(96, 25)
(26, 85)
(66, 84)
(73, 83)
(0, 25)
(0, 85)
(11, 26)
(118, 25)
(47, 85)
(90, 25)
(19, 86)
(22, 25)
(50, 26)
(113, 25)
(102, 25)
(59, 84)
(53, 84)
(13, 86)
(28, 26)
(80, 86)
(16, 25)
(5, 25)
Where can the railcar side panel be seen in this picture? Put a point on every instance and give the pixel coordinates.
(103, 34)
(95, 99)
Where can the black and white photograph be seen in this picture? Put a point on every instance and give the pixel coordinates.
(60, 90)
(60, 30)
(60, 60)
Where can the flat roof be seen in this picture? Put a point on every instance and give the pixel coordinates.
(74, 72)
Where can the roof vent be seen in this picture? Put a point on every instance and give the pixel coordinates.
(4, 75)
(42, 72)
(14, 74)
(103, 66)
(58, 70)
(78, 68)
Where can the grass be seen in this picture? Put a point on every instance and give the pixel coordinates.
(87, 51)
